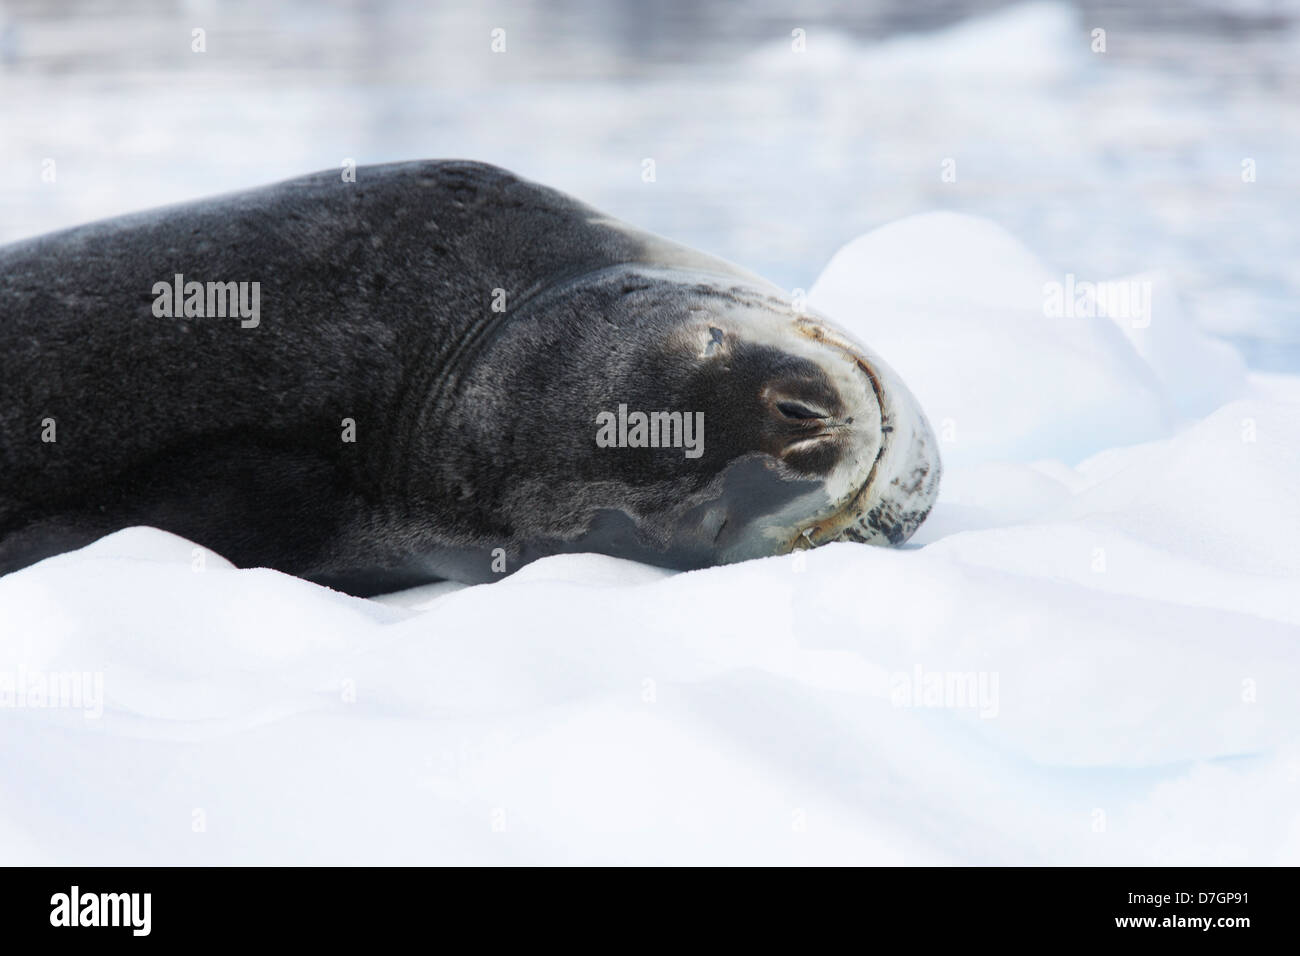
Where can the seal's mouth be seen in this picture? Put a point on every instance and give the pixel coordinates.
(902, 482)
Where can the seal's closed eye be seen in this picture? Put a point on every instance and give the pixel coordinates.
(799, 410)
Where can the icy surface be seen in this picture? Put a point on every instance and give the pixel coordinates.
(1106, 596)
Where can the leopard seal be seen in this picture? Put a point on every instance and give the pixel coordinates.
(415, 388)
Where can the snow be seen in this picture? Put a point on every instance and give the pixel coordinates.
(1088, 654)
(958, 308)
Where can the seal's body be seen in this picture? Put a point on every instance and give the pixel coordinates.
(433, 372)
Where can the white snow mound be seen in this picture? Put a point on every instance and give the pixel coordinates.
(1013, 362)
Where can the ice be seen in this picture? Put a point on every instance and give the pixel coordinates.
(1196, 371)
(1088, 655)
(957, 307)
(1029, 42)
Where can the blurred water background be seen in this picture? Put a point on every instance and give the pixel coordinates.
(1104, 164)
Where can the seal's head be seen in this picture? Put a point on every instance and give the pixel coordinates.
(796, 435)
(825, 414)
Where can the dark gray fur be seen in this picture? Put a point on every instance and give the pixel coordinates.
(475, 430)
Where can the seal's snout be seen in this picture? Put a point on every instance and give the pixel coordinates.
(905, 480)
(901, 482)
